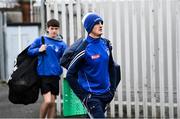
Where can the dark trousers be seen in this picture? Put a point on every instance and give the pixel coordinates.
(96, 104)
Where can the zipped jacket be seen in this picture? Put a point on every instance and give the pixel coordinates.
(91, 67)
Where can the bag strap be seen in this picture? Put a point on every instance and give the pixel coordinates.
(42, 40)
(109, 44)
(111, 60)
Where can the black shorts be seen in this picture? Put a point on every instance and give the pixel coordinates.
(50, 83)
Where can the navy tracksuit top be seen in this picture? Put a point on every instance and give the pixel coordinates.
(92, 65)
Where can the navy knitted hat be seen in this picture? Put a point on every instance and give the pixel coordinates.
(89, 20)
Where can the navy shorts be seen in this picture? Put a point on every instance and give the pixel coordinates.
(50, 83)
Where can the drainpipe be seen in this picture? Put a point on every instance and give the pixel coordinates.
(2, 46)
(43, 16)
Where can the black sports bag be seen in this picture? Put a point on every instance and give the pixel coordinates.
(24, 81)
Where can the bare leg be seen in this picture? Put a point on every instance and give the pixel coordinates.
(52, 107)
(45, 105)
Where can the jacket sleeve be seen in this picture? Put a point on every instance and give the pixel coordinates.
(34, 48)
(72, 74)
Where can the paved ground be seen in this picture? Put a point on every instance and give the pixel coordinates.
(9, 110)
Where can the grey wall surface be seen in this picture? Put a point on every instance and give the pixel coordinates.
(17, 38)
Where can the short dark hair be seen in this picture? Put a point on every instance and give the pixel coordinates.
(53, 23)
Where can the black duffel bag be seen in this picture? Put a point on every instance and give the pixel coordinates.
(24, 82)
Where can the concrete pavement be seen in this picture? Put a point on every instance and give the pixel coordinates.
(9, 110)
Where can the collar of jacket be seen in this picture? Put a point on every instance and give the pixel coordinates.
(90, 39)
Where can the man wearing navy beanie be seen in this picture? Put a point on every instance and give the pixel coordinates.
(89, 20)
(91, 69)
